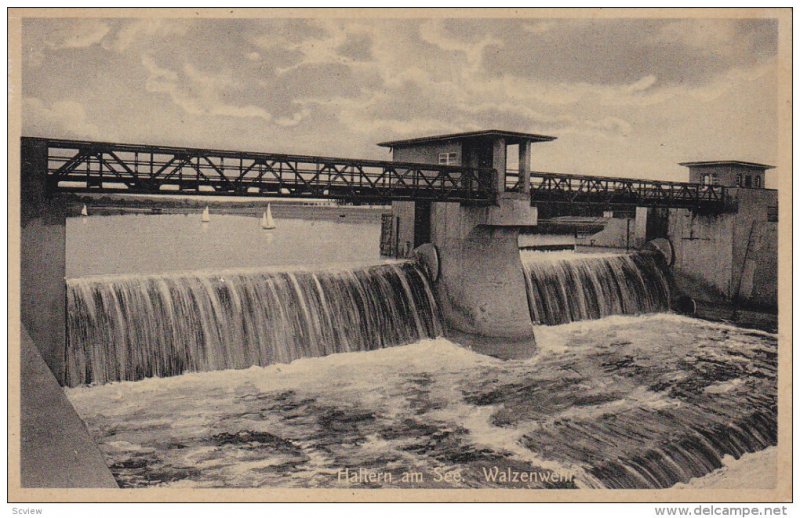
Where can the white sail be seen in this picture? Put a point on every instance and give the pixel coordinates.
(204, 218)
(267, 223)
(84, 211)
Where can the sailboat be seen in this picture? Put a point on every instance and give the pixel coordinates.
(84, 211)
(267, 223)
(204, 218)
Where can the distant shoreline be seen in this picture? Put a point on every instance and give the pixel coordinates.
(192, 201)
(296, 210)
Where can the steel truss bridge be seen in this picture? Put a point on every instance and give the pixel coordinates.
(101, 167)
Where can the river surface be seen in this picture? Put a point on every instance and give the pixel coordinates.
(635, 401)
(646, 401)
(99, 245)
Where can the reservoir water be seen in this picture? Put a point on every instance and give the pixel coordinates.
(226, 356)
(142, 244)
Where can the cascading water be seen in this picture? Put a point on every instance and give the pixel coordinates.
(566, 287)
(134, 327)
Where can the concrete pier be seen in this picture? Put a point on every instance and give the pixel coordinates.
(481, 287)
(56, 449)
(43, 292)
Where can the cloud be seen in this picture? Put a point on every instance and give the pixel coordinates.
(539, 27)
(433, 31)
(615, 51)
(61, 118)
(357, 47)
(609, 89)
(700, 34)
(197, 93)
(145, 32)
(77, 34)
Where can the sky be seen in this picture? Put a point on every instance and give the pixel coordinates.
(624, 97)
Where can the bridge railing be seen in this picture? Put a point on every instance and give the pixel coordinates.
(605, 190)
(81, 166)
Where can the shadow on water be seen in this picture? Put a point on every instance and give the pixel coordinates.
(500, 348)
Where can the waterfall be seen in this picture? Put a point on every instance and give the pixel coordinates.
(565, 287)
(133, 327)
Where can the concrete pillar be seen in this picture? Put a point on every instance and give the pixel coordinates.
(499, 162)
(525, 165)
(43, 294)
(403, 212)
(640, 227)
(481, 289)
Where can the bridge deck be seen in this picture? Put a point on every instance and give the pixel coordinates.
(102, 167)
(608, 191)
(80, 166)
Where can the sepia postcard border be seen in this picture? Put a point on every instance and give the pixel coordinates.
(781, 493)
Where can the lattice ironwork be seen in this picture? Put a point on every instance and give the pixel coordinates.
(551, 188)
(80, 166)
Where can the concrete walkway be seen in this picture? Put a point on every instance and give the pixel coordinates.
(57, 450)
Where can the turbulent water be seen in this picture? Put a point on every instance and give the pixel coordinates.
(625, 401)
(133, 327)
(243, 387)
(567, 287)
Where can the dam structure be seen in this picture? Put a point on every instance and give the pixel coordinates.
(458, 204)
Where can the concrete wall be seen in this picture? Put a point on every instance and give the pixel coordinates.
(755, 247)
(703, 247)
(618, 233)
(734, 255)
(757, 285)
(481, 287)
(426, 153)
(713, 261)
(43, 259)
(403, 213)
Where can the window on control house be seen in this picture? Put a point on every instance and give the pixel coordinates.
(448, 158)
(709, 179)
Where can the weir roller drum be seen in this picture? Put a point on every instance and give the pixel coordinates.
(663, 247)
(427, 256)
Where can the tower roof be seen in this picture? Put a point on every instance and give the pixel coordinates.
(713, 163)
(512, 137)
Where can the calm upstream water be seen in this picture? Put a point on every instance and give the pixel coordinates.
(135, 244)
(218, 356)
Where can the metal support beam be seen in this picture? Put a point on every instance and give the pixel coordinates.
(525, 165)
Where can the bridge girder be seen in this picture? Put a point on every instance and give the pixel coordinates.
(101, 167)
